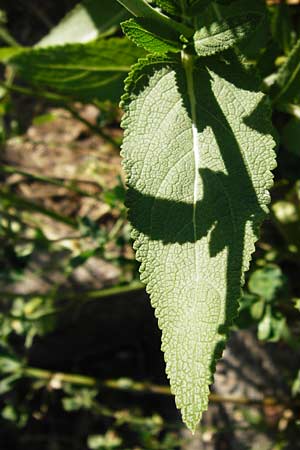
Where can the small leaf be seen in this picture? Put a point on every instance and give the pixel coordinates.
(280, 329)
(252, 46)
(220, 36)
(267, 282)
(108, 441)
(7, 383)
(265, 326)
(297, 304)
(296, 385)
(144, 33)
(9, 364)
(257, 309)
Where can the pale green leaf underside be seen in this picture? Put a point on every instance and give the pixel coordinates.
(220, 36)
(198, 154)
(87, 21)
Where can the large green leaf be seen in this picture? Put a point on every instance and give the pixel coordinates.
(84, 71)
(87, 21)
(197, 151)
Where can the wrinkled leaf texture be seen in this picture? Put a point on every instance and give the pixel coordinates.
(198, 150)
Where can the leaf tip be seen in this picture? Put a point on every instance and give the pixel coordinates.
(191, 419)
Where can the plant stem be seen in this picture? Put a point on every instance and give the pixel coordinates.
(92, 127)
(140, 387)
(33, 372)
(45, 95)
(25, 204)
(217, 11)
(109, 292)
(65, 103)
(88, 295)
(39, 13)
(56, 182)
(7, 38)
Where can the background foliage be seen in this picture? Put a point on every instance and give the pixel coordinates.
(80, 364)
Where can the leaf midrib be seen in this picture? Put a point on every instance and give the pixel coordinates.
(188, 64)
(189, 68)
(86, 68)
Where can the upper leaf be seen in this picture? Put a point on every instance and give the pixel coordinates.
(226, 9)
(146, 33)
(84, 71)
(198, 154)
(85, 22)
(220, 36)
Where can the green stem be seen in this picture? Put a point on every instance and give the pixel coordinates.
(25, 204)
(217, 11)
(88, 295)
(56, 182)
(92, 127)
(109, 292)
(65, 103)
(141, 8)
(140, 387)
(45, 95)
(7, 38)
(39, 13)
(33, 372)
